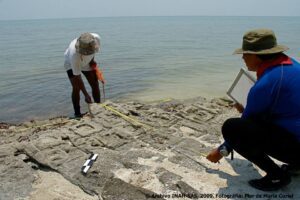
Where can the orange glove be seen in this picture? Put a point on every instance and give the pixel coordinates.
(99, 73)
(240, 108)
(214, 156)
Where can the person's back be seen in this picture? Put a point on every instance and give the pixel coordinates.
(288, 106)
(280, 85)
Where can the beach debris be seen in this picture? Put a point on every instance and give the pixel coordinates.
(89, 163)
(23, 138)
(4, 126)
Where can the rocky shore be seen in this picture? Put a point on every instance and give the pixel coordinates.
(145, 151)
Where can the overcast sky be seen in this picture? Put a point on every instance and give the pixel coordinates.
(37, 9)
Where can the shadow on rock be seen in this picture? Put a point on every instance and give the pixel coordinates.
(238, 188)
(237, 185)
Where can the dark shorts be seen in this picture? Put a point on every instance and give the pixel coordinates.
(71, 75)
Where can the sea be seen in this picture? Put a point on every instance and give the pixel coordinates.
(143, 58)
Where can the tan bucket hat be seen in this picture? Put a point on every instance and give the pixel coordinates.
(86, 44)
(260, 41)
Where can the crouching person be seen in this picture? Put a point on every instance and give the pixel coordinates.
(270, 122)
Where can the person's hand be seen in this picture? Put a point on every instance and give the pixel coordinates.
(88, 99)
(239, 107)
(214, 156)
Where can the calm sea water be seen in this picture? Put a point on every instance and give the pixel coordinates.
(143, 58)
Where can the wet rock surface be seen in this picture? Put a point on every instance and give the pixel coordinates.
(145, 151)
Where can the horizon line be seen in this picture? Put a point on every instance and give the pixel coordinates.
(125, 16)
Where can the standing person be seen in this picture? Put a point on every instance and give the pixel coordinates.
(79, 57)
(270, 123)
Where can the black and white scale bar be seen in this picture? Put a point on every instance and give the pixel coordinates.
(89, 163)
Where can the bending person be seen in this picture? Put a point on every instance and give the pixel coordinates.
(79, 57)
(270, 123)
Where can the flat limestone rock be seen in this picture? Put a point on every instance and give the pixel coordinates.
(116, 189)
(145, 151)
(53, 186)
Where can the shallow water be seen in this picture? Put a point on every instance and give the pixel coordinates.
(143, 58)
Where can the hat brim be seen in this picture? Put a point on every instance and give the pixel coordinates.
(277, 49)
(87, 51)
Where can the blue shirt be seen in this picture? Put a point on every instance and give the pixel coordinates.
(276, 97)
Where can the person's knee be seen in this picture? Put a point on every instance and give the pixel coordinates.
(230, 127)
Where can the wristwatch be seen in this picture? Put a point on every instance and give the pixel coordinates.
(223, 150)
